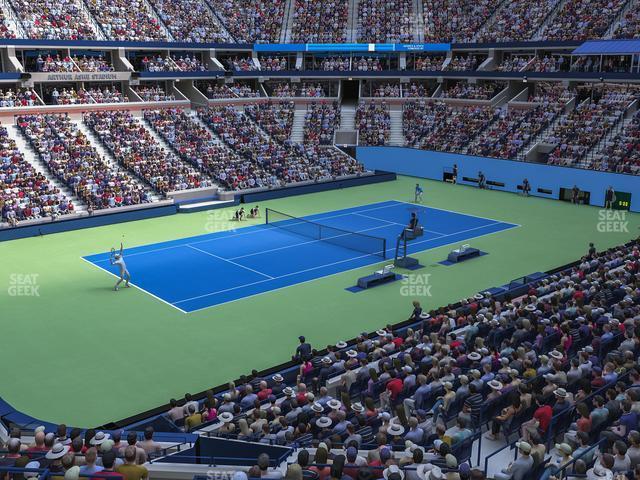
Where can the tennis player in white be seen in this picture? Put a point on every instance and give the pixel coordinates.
(118, 259)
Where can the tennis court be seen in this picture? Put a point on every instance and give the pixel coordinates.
(194, 273)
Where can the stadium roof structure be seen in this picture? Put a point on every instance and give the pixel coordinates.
(608, 47)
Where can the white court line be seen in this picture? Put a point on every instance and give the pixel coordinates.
(379, 219)
(453, 211)
(229, 261)
(329, 265)
(332, 274)
(256, 230)
(310, 241)
(133, 284)
(396, 223)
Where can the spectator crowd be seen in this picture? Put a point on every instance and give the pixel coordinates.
(320, 22)
(320, 123)
(380, 21)
(26, 194)
(373, 123)
(555, 367)
(133, 146)
(70, 157)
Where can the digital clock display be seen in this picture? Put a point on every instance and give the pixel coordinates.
(623, 201)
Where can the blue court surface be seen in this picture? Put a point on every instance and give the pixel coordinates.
(199, 272)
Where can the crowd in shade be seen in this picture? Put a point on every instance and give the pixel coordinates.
(416, 90)
(320, 22)
(516, 20)
(381, 89)
(373, 123)
(172, 63)
(63, 20)
(214, 91)
(229, 90)
(341, 64)
(274, 63)
(279, 162)
(380, 21)
(441, 127)
(514, 63)
(594, 63)
(513, 130)
(549, 63)
(320, 123)
(428, 63)
(25, 194)
(621, 153)
(456, 21)
(483, 91)
(190, 21)
(21, 97)
(187, 63)
(198, 147)
(581, 129)
(133, 146)
(71, 158)
(555, 368)
(366, 64)
(55, 63)
(127, 20)
(69, 96)
(243, 90)
(629, 25)
(153, 94)
(158, 64)
(274, 118)
(92, 63)
(92, 95)
(548, 93)
(240, 64)
(106, 95)
(461, 63)
(582, 20)
(304, 89)
(251, 21)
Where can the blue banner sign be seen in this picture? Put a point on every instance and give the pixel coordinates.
(352, 47)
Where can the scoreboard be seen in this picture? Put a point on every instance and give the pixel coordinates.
(623, 201)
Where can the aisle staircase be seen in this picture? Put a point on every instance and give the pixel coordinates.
(30, 155)
(396, 137)
(297, 129)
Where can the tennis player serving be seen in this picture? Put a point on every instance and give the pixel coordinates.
(118, 259)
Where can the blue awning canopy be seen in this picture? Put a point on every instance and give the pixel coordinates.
(608, 47)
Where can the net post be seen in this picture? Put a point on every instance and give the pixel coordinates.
(266, 216)
(384, 248)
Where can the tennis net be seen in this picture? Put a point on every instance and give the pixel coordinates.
(336, 236)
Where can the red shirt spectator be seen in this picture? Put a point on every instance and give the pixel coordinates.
(395, 387)
(543, 414)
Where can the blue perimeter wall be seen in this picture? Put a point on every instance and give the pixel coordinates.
(432, 165)
(63, 225)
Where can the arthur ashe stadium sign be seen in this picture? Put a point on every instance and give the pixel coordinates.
(80, 76)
